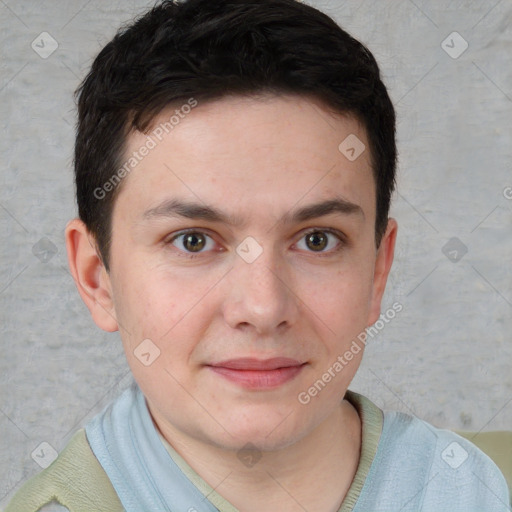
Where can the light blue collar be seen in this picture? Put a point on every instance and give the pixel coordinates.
(143, 474)
(413, 469)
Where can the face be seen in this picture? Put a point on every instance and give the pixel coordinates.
(244, 249)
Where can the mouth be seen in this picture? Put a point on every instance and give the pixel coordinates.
(260, 374)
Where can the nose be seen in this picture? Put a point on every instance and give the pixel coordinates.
(260, 295)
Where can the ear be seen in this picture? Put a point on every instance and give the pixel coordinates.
(383, 263)
(90, 275)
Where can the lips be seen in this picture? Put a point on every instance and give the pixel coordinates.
(261, 374)
(248, 363)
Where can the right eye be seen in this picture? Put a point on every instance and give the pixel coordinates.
(192, 242)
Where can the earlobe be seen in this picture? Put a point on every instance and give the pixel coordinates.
(383, 263)
(91, 278)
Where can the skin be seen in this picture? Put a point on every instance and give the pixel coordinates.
(259, 159)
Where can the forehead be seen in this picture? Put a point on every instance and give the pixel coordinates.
(243, 153)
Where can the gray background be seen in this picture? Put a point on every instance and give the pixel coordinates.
(446, 357)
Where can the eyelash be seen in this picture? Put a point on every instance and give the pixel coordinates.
(338, 234)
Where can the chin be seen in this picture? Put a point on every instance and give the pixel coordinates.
(268, 433)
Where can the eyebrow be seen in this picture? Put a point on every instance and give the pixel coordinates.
(191, 210)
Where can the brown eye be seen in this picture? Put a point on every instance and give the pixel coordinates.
(322, 241)
(317, 240)
(194, 242)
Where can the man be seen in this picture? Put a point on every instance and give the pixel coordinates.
(234, 166)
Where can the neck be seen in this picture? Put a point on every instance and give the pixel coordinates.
(314, 473)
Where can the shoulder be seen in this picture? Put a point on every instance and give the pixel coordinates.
(443, 467)
(75, 481)
(497, 445)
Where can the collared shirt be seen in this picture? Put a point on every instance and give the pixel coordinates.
(405, 464)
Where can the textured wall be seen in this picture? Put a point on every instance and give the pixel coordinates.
(445, 357)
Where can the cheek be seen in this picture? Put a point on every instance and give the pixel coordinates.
(148, 298)
(155, 347)
(145, 309)
(167, 309)
(341, 298)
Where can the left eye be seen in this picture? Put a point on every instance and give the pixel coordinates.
(320, 239)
